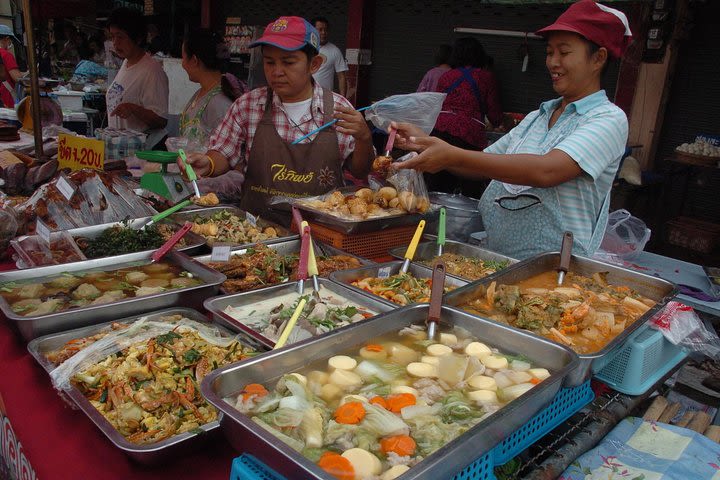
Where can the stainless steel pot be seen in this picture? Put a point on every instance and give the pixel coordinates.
(463, 216)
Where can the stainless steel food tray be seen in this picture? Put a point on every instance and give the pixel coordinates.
(193, 241)
(428, 250)
(166, 449)
(346, 277)
(654, 288)
(31, 327)
(348, 225)
(288, 247)
(217, 305)
(246, 436)
(189, 215)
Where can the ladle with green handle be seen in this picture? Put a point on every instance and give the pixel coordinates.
(441, 232)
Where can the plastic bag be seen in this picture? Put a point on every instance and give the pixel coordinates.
(681, 326)
(228, 186)
(410, 185)
(420, 109)
(625, 235)
(137, 333)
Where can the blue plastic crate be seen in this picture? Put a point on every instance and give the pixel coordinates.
(643, 360)
(566, 403)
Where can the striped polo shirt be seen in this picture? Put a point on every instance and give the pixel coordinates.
(593, 131)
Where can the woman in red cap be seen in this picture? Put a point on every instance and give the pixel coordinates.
(554, 171)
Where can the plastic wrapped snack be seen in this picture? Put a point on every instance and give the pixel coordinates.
(413, 194)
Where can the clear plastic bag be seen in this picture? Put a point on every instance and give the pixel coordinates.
(625, 235)
(410, 185)
(681, 326)
(420, 109)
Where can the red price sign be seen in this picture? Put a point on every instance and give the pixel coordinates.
(77, 153)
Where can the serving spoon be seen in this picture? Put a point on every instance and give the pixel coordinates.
(436, 294)
(565, 254)
(410, 252)
(441, 231)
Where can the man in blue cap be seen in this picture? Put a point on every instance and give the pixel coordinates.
(12, 73)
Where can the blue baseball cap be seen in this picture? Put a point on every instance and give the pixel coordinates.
(6, 31)
(289, 33)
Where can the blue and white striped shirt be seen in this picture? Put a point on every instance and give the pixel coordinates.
(594, 132)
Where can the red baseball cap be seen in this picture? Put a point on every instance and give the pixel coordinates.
(600, 24)
(289, 33)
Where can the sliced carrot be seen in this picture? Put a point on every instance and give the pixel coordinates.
(373, 347)
(253, 389)
(337, 466)
(380, 401)
(350, 413)
(399, 401)
(535, 381)
(403, 445)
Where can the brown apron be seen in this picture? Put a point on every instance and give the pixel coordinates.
(277, 168)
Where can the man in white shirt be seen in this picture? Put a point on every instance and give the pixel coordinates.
(333, 59)
(138, 97)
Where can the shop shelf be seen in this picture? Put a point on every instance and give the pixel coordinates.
(566, 403)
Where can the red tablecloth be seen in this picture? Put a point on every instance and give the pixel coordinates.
(61, 443)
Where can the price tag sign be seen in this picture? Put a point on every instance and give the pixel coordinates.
(384, 272)
(66, 187)
(220, 253)
(251, 218)
(43, 231)
(77, 153)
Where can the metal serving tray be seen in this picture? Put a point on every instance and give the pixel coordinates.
(246, 436)
(288, 247)
(166, 449)
(346, 277)
(31, 327)
(217, 305)
(657, 289)
(189, 215)
(428, 250)
(193, 241)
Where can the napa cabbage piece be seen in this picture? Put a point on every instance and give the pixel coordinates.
(431, 433)
(385, 372)
(293, 443)
(382, 422)
(457, 408)
(282, 417)
(311, 428)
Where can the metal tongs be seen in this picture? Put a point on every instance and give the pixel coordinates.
(436, 294)
(410, 252)
(303, 260)
(441, 232)
(565, 254)
(167, 246)
(191, 175)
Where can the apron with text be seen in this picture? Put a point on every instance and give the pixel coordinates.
(522, 221)
(277, 168)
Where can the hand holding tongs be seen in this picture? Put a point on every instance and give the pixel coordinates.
(410, 253)
(565, 254)
(191, 175)
(167, 246)
(436, 293)
(441, 231)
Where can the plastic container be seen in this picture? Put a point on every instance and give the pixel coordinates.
(372, 245)
(34, 252)
(70, 100)
(566, 403)
(643, 360)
